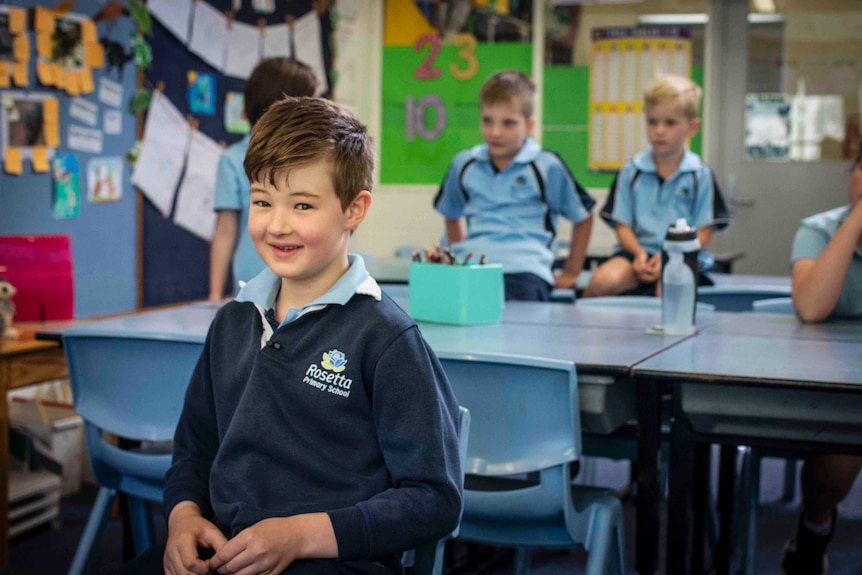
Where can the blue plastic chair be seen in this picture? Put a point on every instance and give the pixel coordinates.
(774, 305)
(738, 298)
(526, 423)
(428, 559)
(133, 389)
(632, 301)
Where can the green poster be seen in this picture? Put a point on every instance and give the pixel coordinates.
(431, 103)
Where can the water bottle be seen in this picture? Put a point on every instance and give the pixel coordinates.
(679, 279)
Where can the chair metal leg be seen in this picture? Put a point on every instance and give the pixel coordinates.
(788, 490)
(522, 560)
(142, 524)
(752, 507)
(92, 531)
(600, 542)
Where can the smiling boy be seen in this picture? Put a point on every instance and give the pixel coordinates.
(661, 184)
(318, 433)
(503, 198)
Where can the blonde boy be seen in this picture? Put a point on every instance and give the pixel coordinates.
(665, 182)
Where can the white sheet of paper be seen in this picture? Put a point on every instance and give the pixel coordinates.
(175, 15)
(83, 139)
(84, 111)
(307, 41)
(243, 50)
(113, 122)
(347, 9)
(196, 195)
(209, 35)
(163, 153)
(276, 41)
(110, 92)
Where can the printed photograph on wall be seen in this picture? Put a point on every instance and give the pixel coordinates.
(67, 44)
(23, 122)
(7, 39)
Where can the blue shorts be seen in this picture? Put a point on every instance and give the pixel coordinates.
(526, 287)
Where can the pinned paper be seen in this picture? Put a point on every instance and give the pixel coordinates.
(21, 48)
(84, 111)
(39, 158)
(17, 20)
(45, 73)
(4, 74)
(12, 161)
(50, 107)
(52, 134)
(110, 92)
(104, 179)
(66, 187)
(19, 74)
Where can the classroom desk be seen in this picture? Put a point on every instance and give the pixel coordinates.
(24, 361)
(599, 347)
(740, 382)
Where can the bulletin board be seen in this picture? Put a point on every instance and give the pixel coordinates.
(430, 92)
(64, 131)
(175, 262)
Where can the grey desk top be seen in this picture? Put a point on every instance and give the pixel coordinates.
(782, 326)
(188, 323)
(754, 360)
(749, 280)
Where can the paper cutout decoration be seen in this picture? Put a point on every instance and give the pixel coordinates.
(12, 161)
(66, 174)
(39, 159)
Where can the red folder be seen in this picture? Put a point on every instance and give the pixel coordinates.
(40, 268)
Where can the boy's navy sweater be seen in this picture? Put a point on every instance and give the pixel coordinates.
(342, 412)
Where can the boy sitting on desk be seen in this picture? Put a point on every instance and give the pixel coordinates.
(319, 432)
(665, 182)
(503, 197)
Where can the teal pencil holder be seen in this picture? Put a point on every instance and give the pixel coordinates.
(456, 294)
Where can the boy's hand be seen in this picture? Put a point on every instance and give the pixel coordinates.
(187, 530)
(565, 280)
(268, 546)
(650, 270)
(271, 545)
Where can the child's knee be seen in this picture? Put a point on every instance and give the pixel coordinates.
(610, 278)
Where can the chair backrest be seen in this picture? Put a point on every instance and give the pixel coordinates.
(428, 559)
(774, 305)
(632, 301)
(738, 298)
(524, 411)
(133, 388)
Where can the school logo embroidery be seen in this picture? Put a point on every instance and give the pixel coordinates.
(333, 360)
(327, 377)
(521, 180)
(684, 192)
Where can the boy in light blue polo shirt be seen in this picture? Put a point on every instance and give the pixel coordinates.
(659, 185)
(232, 249)
(827, 283)
(502, 198)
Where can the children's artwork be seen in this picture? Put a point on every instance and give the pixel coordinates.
(66, 187)
(234, 115)
(104, 180)
(202, 93)
(263, 6)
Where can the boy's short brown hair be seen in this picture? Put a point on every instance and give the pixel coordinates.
(509, 86)
(674, 89)
(296, 132)
(273, 79)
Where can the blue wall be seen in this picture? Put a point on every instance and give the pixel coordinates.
(103, 236)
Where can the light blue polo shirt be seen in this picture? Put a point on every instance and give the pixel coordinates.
(232, 193)
(814, 233)
(512, 214)
(639, 199)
